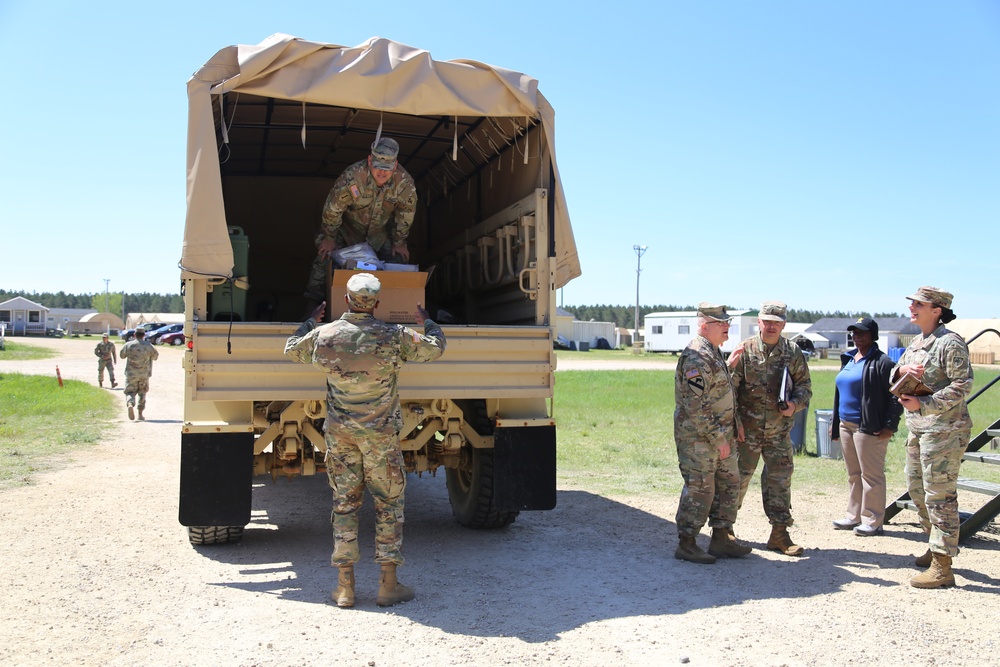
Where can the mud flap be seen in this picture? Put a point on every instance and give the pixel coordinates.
(524, 468)
(216, 479)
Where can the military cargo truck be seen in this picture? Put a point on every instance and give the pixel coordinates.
(271, 126)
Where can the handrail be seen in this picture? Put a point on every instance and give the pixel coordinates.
(994, 380)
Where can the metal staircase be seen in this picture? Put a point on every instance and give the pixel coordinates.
(971, 521)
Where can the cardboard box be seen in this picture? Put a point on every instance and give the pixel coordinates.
(397, 302)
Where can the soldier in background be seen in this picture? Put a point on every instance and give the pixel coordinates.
(139, 355)
(107, 357)
(705, 428)
(362, 357)
(374, 200)
(758, 364)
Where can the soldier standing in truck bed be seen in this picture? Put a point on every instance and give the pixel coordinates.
(362, 357)
(374, 200)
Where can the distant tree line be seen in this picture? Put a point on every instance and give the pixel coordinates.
(143, 302)
(624, 316)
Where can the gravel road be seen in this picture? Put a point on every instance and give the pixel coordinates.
(98, 572)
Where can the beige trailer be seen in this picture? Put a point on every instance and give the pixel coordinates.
(271, 126)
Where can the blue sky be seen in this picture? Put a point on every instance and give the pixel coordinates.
(835, 155)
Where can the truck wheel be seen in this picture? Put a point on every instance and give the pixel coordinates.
(471, 491)
(203, 535)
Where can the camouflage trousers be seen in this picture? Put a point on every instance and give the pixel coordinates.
(711, 487)
(775, 478)
(136, 387)
(932, 462)
(353, 464)
(101, 365)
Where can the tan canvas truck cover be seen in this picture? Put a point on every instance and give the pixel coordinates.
(379, 74)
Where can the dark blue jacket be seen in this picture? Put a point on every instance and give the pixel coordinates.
(879, 408)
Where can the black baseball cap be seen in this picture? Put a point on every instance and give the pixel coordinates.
(865, 324)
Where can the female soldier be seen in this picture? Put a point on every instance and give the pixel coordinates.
(939, 426)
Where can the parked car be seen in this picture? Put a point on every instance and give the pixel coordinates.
(129, 334)
(173, 338)
(154, 336)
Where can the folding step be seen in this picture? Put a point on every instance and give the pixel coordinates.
(910, 505)
(988, 488)
(982, 457)
(993, 432)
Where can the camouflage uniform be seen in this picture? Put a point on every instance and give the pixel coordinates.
(939, 434)
(362, 357)
(139, 356)
(705, 419)
(106, 358)
(757, 377)
(358, 210)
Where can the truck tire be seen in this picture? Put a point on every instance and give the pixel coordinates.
(471, 491)
(205, 535)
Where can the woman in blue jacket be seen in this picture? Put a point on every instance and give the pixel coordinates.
(865, 415)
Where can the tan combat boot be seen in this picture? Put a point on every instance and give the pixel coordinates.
(344, 595)
(724, 545)
(923, 561)
(390, 591)
(141, 418)
(688, 549)
(781, 542)
(938, 575)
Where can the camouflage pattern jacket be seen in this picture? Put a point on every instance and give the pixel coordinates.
(704, 395)
(948, 373)
(106, 351)
(362, 357)
(361, 210)
(757, 377)
(139, 356)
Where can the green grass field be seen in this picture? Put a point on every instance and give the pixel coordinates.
(616, 432)
(22, 352)
(41, 422)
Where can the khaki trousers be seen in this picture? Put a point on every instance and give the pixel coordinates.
(864, 456)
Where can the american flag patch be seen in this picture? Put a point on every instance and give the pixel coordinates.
(354, 191)
(692, 374)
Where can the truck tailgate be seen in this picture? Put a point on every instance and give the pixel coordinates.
(479, 362)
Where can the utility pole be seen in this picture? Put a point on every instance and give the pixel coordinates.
(106, 281)
(640, 250)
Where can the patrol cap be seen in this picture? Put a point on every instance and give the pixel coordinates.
(865, 324)
(140, 329)
(773, 311)
(384, 153)
(934, 295)
(362, 290)
(711, 311)
(104, 335)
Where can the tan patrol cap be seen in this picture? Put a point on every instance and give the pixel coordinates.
(714, 312)
(362, 290)
(934, 295)
(773, 311)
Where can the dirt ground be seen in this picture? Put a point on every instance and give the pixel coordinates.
(97, 571)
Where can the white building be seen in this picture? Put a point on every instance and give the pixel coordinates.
(671, 332)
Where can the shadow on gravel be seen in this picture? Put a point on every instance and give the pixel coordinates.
(588, 560)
